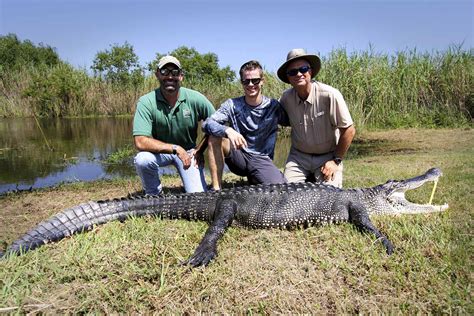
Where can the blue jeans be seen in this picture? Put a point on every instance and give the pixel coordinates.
(148, 165)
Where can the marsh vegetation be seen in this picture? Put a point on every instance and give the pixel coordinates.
(406, 89)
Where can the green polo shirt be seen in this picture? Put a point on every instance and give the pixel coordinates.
(154, 118)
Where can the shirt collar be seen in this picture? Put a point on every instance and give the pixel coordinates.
(161, 98)
(311, 97)
(163, 103)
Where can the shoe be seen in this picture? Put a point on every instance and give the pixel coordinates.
(211, 189)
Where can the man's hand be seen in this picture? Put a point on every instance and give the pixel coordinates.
(328, 170)
(236, 139)
(184, 156)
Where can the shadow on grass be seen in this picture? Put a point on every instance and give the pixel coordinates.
(364, 147)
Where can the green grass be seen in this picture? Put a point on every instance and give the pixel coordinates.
(135, 266)
(122, 155)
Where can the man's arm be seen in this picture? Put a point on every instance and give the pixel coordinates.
(142, 129)
(202, 145)
(237, 140)
(144, 143)
(345, 140)
(283, 118)
(215, 125)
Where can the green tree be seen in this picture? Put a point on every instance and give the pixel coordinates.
(198, 66)
(15, 53)
(118, 65)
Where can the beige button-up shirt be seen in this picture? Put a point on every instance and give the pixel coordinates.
(315, 121)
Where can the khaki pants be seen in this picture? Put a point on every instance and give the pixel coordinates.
(299, 166)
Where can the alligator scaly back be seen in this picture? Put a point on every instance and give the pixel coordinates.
(261, 206)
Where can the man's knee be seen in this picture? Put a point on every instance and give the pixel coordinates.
(144, 160)
(262, 170)
(275, 177)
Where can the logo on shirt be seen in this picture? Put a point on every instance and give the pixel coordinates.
(186, 113)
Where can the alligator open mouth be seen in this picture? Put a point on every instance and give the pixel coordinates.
(400, 204)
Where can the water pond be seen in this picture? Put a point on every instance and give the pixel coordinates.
(35, 154)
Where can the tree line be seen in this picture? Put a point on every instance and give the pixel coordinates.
(118, 64)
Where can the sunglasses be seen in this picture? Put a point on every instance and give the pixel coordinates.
(254, 81)
(294, 71)
(166, 72)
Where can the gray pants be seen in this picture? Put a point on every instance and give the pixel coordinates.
(299, 166)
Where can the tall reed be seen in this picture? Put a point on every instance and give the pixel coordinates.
(406, 89)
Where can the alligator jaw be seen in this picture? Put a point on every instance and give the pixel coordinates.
(432, 174)
(399, 203)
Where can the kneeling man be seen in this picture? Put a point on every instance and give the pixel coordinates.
(243, 131)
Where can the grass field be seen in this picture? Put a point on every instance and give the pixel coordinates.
(134, 267)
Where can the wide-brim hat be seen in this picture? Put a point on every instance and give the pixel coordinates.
(299, 53)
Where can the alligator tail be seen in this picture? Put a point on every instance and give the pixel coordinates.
(85, 216)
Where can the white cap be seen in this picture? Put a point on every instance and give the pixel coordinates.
(168, 60)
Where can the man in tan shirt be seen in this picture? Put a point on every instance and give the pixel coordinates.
(321, 125)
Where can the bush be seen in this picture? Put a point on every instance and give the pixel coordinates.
(407, 89)
(198, 66)
(57, 91)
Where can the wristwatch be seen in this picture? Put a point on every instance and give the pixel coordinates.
(337, 160)
(175, 149)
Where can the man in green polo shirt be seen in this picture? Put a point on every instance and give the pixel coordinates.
(165, 129)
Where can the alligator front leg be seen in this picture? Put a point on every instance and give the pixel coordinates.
(207, 249)
(360, 218)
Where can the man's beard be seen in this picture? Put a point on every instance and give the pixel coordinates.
(170, 85)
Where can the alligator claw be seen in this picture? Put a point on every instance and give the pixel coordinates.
(388, 245)
(201, 257)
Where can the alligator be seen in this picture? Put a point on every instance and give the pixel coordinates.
(286, 206)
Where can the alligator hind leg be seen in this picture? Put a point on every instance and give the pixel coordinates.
(360, 218)
(207, 249)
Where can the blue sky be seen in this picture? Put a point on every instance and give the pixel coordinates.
(238, 31)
